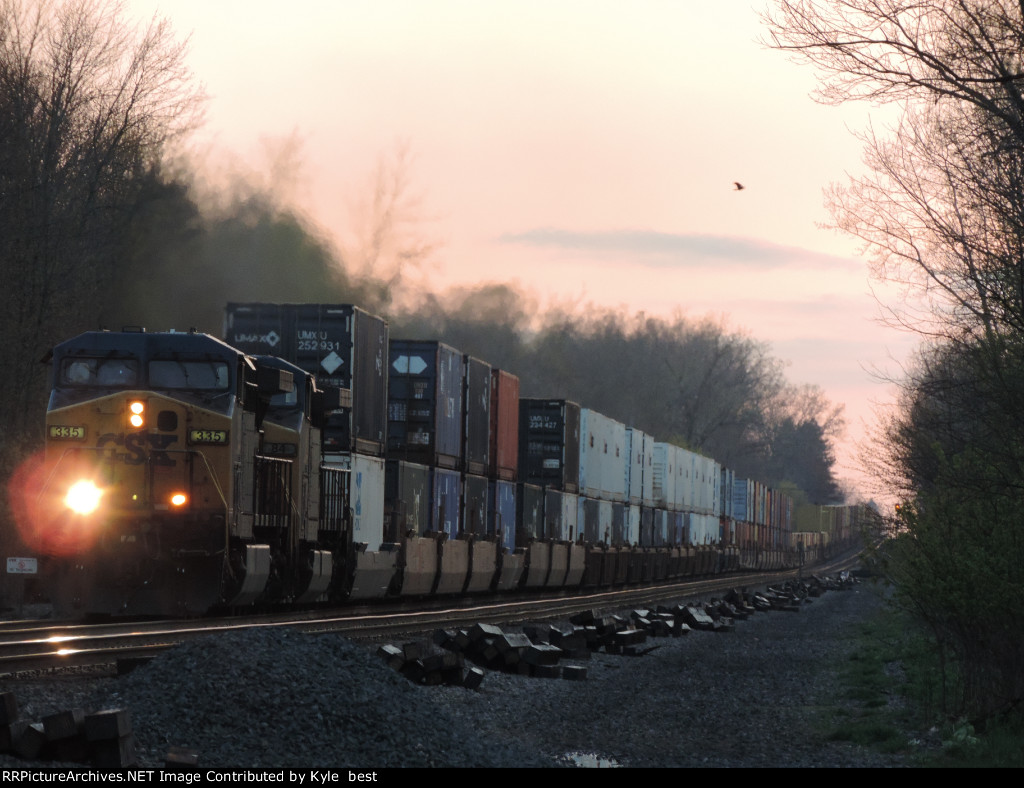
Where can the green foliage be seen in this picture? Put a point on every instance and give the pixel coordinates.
(999, 744)
(959, 564)
(940, 210)
(891, 693)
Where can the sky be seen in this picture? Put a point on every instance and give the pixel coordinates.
(584, 151)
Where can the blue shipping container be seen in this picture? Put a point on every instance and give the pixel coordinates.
(502, 513)
(446, 494)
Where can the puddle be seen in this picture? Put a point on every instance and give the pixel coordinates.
(589, 760)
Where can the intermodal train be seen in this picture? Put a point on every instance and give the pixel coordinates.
(309, 458)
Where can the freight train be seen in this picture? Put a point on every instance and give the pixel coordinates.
(308, 458)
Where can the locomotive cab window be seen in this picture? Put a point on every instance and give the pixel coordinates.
(193, 375)
(119, 372)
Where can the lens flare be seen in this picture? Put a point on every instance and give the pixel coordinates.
(38, 494)
(83, 497)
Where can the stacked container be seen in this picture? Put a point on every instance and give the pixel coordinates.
(425, 418)
(549, 443)
(604, 459)
(504, 426)
(340, 344)
(476, 404)
(345, 347)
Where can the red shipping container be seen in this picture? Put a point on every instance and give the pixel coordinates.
(504, 425)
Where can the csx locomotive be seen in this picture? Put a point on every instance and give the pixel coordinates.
(185, 474)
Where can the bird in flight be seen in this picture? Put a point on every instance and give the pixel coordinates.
(738, 186)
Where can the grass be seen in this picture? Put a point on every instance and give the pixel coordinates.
(892, 688)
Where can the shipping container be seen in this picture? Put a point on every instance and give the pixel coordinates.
(555, 525)
(445, 502)
(549, 443)
(657, 524)
(341, 345)
(476, 405)
(406, 499)
(638, 518)
(636, 441)
(725, 501)
(529, 513)
(570, 516)
(742, 500)
(366, 498)
(678, 529)
(501, 521)
(665, 474)
(504, 429)
(603, 457)
(474, 505)
(425, 403)
(683, 493)
(608, 514)
(589, 520)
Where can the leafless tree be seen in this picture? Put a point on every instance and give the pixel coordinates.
(388, 238)
(941, 212)
(87, 103)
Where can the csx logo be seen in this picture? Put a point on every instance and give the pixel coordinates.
(138, 447)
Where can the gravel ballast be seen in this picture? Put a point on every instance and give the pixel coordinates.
(763, 695)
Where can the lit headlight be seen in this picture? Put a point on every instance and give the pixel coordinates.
(135, 417)
(83, 497)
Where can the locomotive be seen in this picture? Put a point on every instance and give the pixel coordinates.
(308, 458)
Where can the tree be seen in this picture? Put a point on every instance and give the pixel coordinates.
(940, 209)
(801, 428)
(693, 383)
(941, 212)
(87, 105)
(387, 240)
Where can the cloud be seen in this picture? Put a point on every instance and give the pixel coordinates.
(675, 250)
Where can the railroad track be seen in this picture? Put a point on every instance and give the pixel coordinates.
(30, 647)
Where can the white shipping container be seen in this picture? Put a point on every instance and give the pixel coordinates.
(603, 456)
(570, 516)
(681, 487)
(366, 490)
(705, 529)
(686, 488)
(592, 453)
(647, 496)
(631, 529)
(664, 477)
(635, 450)
(716, 489)
(706, 488)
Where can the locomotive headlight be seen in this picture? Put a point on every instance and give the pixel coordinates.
(178, 499)
(83, 497)
(136, 410)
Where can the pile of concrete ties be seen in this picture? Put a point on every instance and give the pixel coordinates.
(543, 650)
(103, 739)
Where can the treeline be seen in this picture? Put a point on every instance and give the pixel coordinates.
(98, 230)
(691, 382)
(941, 209)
